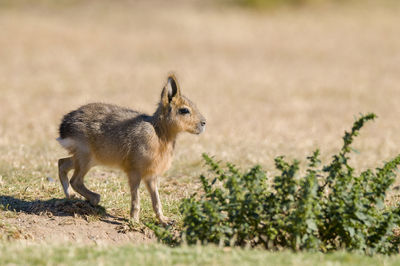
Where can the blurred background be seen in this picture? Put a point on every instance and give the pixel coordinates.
(272, 77)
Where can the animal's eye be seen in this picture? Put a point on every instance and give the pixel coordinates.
(183, 111)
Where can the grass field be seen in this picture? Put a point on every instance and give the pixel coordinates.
(130, 254)
(269, 83)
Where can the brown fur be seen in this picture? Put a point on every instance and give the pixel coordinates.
(139, 144)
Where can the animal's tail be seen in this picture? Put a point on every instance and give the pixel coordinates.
(68, 143)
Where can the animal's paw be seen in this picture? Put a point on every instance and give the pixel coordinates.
(95, 199)
(134, 219)
(165, 221)
(70, 195)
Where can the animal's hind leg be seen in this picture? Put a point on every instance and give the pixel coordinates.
(64, 166)
(82, 166)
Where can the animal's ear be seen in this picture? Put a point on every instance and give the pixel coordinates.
(171, 90)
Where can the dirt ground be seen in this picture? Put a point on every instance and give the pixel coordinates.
(74, 229)
(60, 220)
(269, 83)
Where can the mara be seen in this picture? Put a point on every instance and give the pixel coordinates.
(139, 144)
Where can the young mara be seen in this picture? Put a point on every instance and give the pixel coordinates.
(141, 145)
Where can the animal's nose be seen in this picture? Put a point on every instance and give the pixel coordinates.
(203, 123)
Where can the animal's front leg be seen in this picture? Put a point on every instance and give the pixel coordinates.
(151, 184)
(134, 183)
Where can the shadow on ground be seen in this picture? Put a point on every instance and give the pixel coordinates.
(57, 207)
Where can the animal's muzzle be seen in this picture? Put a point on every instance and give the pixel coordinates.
(201, 127)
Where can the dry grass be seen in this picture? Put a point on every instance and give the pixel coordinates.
(269, 84)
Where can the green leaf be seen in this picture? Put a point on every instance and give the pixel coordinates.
(311, 224)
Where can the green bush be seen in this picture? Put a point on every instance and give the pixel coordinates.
(328, 208)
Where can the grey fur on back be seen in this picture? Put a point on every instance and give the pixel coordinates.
(95, 117)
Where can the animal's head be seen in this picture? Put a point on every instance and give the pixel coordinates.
(179, 112)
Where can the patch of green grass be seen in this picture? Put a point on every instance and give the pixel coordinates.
(20, 253)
